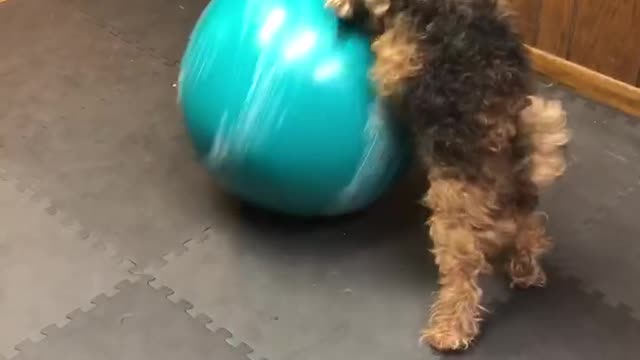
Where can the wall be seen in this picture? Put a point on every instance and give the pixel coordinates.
(602, 35)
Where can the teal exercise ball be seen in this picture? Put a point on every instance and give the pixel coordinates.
(277, 101)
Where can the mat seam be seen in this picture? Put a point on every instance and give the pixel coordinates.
(115, 253)
(154, 282)
(589, 224)
(111, 30)
(601, 296)
(567, 95)
(123, 285)
(203, 318)
(79, 233)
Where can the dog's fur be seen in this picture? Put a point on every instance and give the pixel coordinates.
(460, 75)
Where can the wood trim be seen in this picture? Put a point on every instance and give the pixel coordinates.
(587, 82)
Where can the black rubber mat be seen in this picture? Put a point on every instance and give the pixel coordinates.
(560, 322)
(158, 27)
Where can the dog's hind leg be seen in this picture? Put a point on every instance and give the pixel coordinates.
(542, 131)
(531, 243)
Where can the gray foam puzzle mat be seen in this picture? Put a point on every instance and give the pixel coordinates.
(99, 185)
(308, 305)
(47, 266)
(159, 28)
(559, 322)
(86, 105)
(137, 322)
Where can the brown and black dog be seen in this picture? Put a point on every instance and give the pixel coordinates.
(459, 72)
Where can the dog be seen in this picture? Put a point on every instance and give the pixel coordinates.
(459, 74)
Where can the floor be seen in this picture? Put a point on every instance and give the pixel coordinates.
(114, 243)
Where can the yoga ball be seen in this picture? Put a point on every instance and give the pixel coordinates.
(278, 103)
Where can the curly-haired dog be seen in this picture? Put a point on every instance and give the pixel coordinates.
(460, 75)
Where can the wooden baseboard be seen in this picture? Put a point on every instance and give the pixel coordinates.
(587, 82)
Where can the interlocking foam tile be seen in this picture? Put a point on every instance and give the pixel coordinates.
(298, 306)
(137, 323)
(593, 208)
(561, 322)
(608, 259)
(359, 287)
(47, 268)
(602, 153)
(157, 27)
(93, 122)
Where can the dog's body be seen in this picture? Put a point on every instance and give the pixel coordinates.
(460, 75)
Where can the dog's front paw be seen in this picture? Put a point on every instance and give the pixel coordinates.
(342, 8)
(443, 338)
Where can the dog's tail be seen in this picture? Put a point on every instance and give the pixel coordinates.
(542, 130)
